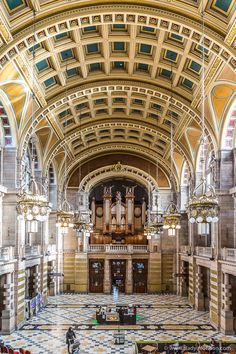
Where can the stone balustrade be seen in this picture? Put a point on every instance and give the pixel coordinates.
(204, 251)
(228, 254)
(7, 253)
(117, 248)
(186, 249)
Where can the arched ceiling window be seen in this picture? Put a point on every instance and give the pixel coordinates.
(185, 175)
(51, 175)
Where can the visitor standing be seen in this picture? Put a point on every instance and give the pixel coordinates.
(70, 338)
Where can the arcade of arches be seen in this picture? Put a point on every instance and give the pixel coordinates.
(90, 92)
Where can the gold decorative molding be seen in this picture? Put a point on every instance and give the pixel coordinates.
(230, 39)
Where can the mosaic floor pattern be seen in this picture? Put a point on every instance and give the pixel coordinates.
(161, 317)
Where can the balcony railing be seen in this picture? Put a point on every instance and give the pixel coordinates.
(204, 251)
(6, 254)
(229, 254)
(185, 249)
(117, 248)
(32, 251)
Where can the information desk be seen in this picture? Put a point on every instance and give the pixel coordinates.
(120, 315)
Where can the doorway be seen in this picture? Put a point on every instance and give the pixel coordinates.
(140, 276)
(96, 275)
(185, 278)
(206, 287)
(118, 271)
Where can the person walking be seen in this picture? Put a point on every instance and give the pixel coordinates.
(70, 338)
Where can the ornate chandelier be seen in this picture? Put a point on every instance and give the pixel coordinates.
(154, 225)
(32, 205)
(82, 224)
(172, 219)
(203, 209)
(65, 217)
(153, 230)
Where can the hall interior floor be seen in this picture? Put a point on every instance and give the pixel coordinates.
(160, 317)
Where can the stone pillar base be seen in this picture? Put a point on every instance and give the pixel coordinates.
(199, 302)
(129, 288)
(52, 289)
(227, 322)
(183, 289)
(8, 322)
(107, 288)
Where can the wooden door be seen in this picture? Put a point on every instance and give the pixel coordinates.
(118, 272)
(140, 276)
(96, 275)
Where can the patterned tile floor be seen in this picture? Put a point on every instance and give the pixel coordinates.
(162, 317)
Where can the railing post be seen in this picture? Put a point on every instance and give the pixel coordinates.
(130, 248)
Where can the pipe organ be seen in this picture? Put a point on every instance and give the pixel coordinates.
(119, 213)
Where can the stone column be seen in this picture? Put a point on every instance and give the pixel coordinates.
(36, 275)
(143, 211)
(199, 296)
(79, 243)
(107, 277)
(227, 316)
(178, 264)
(8, 319)
(52, 284)
(85, 242)
(129, 277)
(9, 167)
(93, 209)
(182, 280)
(3, 190)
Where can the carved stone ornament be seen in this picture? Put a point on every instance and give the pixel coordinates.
(118, 167)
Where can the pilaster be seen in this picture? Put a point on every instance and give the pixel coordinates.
(8, 316)
(107, 277)
(227, 316)
(199, 295)
(129, 277)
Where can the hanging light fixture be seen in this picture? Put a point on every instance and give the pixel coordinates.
(83, 224)
(157, 216)
(82, 217)
(32, 203)
(154, 224)
(172, 219)
(65, 214)
(203, 205)
(65, 217)
(172, 215)
(149, 229)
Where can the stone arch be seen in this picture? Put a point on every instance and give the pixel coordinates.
(117, 170)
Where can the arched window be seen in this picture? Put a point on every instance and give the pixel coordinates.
(52, 186)
(200, 161)
(51, 176)
(6, 128)
(228, 136)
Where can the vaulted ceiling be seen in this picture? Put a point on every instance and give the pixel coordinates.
(109, 77)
